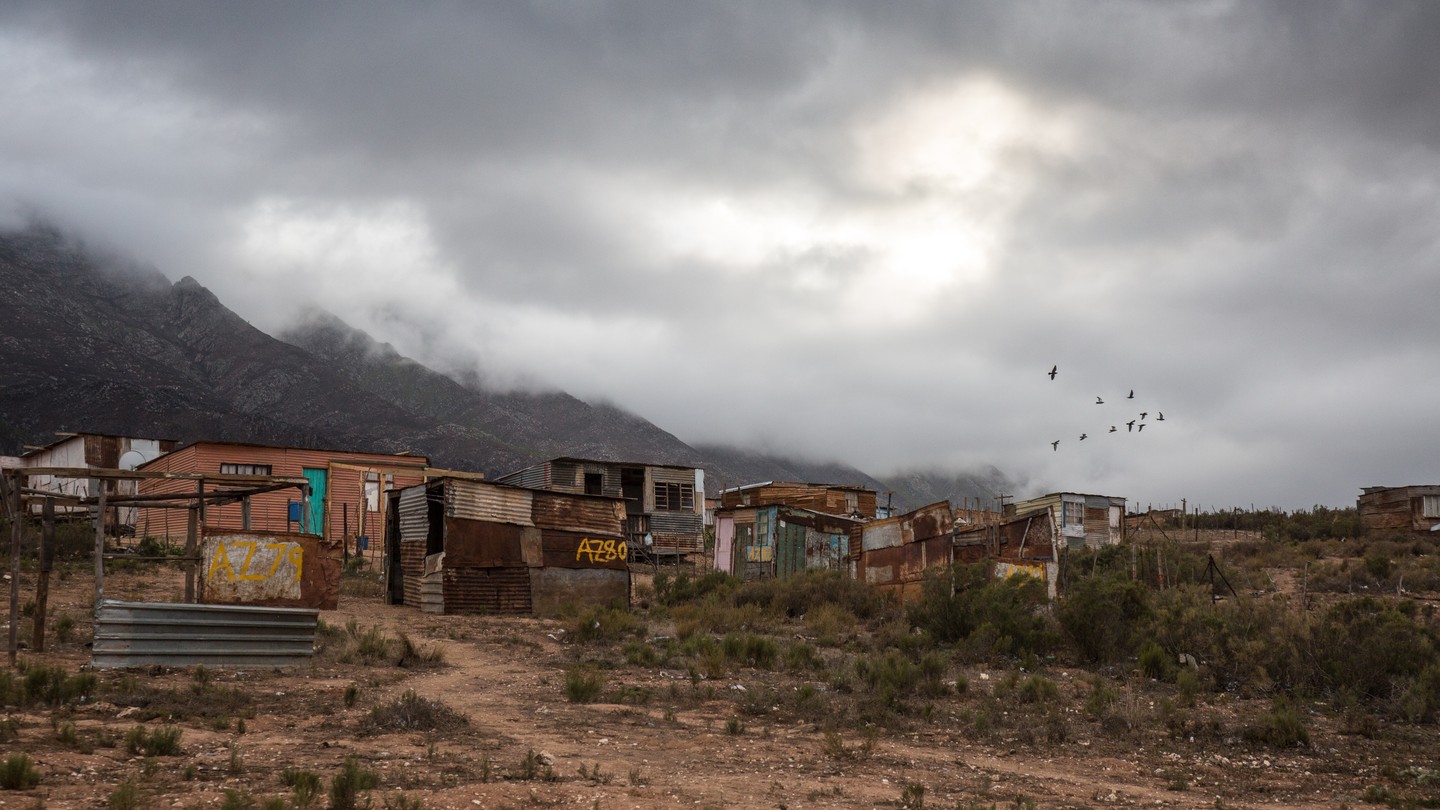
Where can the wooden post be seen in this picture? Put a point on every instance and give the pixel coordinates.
(97, 485)
(42, 587)
(191, 535)
(15, 505)
(245, 513)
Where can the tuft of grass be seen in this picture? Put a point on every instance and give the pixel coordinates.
(735, 726)
(304, 786)
(126, 796)
(161, 742)
(417, 656)
(352, 693)
(1281, 727)
(583, 684)
(346, 786)
(237, 800)
(18, 773)
(835, 748)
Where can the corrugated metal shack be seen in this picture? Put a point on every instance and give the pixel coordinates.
(1399, 510)
(346, 488)
(1017, 544)
(467, 546)
(780, 541)
(664, 503)
(1080, 521)
(894, 553)
(831, 499)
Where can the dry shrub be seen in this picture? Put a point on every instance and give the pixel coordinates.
(410, 712)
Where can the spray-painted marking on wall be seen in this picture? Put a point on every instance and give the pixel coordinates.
(760, 553)
(600, 551)
(253, 570)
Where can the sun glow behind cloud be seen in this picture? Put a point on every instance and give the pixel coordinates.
(939, 173)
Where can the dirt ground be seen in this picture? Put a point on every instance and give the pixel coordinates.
(676, 747)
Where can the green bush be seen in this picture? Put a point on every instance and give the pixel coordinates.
(162, 742)
(1154, 662)
(890, 677)
(18, 773)
(1103, 615)
(346, 786)
(1281, 727)
(304, 785)
(750, 650)
(126, 796)
(607, 625)
(993, 617)
(583, 684)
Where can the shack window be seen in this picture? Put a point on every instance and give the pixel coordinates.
(372, 490)
(674, 497)
(244, 469)
(1431, 508)
(594, 483)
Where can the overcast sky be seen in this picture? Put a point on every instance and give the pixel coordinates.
(852, 231)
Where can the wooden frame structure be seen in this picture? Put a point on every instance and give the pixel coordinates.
(19, 501)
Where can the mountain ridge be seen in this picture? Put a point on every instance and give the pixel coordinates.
(92, 343)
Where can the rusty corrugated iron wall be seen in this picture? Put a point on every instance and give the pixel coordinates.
(894, 553)
(503, 549)
(494, 503)
(830, 499)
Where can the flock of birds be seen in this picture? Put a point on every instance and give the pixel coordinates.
(1136, 425)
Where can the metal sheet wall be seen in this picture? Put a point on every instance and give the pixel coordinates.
(487, 590)
(269, 511)
(479, 500)
(414, 514)
(553, 590)
(557, 510)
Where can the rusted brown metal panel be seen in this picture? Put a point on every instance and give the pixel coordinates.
(482, 544)
(575, 550)
(412, 568)
(552, 590)
(484, 501)
(274, 569)
(555, 510)
(486, 590)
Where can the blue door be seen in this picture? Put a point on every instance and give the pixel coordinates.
(316, 516)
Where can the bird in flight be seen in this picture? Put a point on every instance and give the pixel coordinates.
(1082, 437)
(1142, 428)
(1142, 415)
(1130, 426)
(1161, 417)
(1099, 401)
(1112, 428)
(1053, 369)
(1132, 394)
(1055, 445)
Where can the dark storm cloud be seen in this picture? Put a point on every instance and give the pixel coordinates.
(851, 230)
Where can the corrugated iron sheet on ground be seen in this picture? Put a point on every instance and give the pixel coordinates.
(136, 634)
